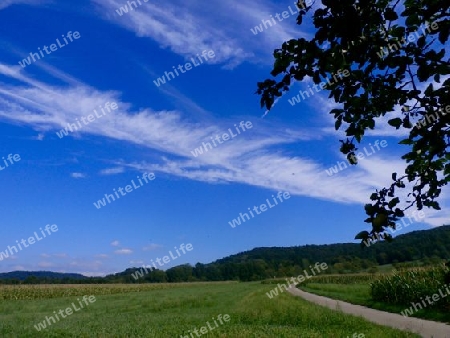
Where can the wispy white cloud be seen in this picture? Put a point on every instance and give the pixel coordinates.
(115, 243)
(254, 158)
(137, 262)
(18, 268)
(57, 255)
(46, 265)
(78, 175)
(90, 267)
(189, 27)
(94, 273)
(7, 3)
(152, 246)
(123, 252)
(112, 171)
(12, 257)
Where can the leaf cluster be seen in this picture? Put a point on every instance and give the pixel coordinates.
(397, 55)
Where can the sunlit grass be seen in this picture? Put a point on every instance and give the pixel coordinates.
(173, 311)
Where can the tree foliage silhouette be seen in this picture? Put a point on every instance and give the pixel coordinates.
(397, 56)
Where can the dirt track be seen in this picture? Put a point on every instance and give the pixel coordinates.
(425, 328)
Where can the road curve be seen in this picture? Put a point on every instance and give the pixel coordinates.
(426, 328)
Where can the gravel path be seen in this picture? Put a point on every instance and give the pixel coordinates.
(426, 328)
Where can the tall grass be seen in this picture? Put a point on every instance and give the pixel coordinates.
(406, 286)
(342, 279)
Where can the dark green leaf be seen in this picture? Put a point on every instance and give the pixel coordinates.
(397, 122)
(362, 235)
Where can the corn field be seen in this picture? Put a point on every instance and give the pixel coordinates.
(404, 287)
(22, 292)
(343, 279)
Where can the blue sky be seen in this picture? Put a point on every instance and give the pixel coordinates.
(116, 59)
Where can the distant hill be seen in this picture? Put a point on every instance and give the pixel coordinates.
(426, 245)
(429, 246)
(23, 275)
(408, 247)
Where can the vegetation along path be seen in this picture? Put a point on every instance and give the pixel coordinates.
(425, 328)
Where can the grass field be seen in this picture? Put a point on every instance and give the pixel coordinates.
(162, 310)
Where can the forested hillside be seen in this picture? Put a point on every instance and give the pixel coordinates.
(429, 246)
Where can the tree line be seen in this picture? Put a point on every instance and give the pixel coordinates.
(429, 246)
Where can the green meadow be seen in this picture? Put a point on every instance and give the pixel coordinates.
(176, 310)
